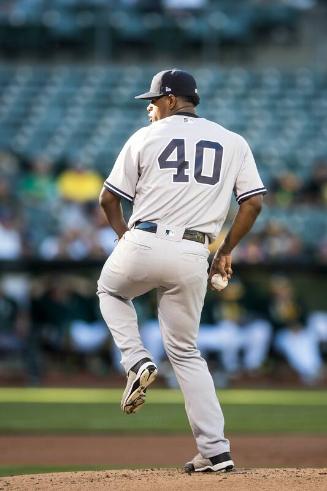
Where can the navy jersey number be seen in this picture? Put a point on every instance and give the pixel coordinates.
(180, 164)
(198, 167)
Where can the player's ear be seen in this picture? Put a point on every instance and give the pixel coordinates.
(172, 100)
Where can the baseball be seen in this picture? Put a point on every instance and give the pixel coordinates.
(218, 282)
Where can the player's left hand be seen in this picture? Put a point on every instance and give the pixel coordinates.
(221, 263)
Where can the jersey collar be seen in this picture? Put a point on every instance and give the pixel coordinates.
(184, 113)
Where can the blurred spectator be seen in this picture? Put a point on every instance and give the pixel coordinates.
(274, 242)
(182, 6)
(321, 253)
(79, 184)
(38, 197)
(14, 333)
(81, 240)
(37, 185)
(71, 216)
(294, 340)
(51, 312)
(11, 246)
(11, 339)
(64, 319)
(71, 244)
(250, 250)
(315, 190)
(317, 325)
(88, 334)
(9, 167)
(278, 242)
(8, 201)
(300, 4)
(146, 6)
(285, 190)
(17, 287)
(104, 237)
(241, 335)
(88, 337)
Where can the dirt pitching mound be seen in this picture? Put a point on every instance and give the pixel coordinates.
(172, 479)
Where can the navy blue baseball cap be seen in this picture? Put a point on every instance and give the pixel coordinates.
(176, 82)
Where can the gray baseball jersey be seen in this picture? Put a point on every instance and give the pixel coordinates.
(182, 171)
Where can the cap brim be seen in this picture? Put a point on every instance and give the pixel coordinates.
(148, 95)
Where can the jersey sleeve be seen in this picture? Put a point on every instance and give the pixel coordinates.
(123, 178)
(248, 181)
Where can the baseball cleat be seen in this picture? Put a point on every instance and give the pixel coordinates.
(222, 462)
(138, 380)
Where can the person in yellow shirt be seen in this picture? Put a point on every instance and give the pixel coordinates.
(79, 184)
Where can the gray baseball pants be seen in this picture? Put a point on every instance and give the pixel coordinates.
(177, 268)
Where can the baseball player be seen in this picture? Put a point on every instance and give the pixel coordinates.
(180, 173)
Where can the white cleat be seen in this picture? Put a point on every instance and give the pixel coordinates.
(221, 462)
(139, 378)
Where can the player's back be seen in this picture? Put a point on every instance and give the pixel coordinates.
(187, 171)
(182, 170)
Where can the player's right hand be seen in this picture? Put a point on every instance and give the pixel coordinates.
(221, 263)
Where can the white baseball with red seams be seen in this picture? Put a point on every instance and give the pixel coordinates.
(218, 282)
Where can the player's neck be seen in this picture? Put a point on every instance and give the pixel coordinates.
(189, 108)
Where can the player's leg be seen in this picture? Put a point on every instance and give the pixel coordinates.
(121, 319)
(179, 308)
(124, 276)
(150, 334)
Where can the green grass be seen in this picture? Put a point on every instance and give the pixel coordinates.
(93, 410)
(159, 418)
(163, 396)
